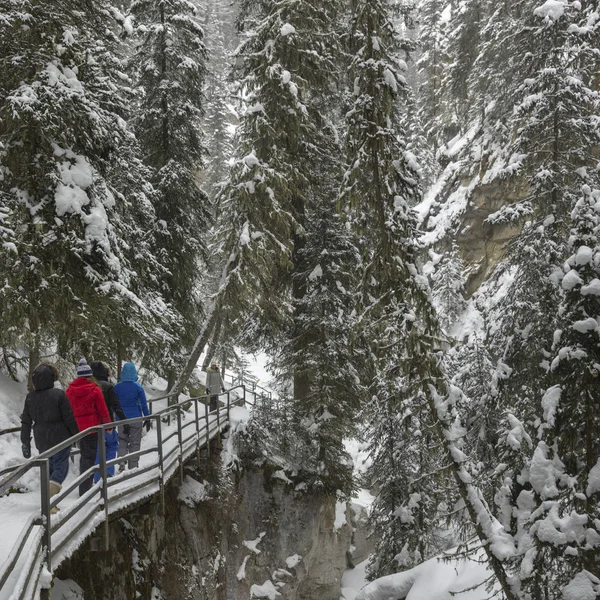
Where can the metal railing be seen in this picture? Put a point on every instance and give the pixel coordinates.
(45, 539)
(250, 384)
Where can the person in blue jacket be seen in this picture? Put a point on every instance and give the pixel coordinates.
(132, 399)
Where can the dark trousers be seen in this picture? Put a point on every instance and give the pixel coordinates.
(214, 402)
(87, 446)
(59, 465)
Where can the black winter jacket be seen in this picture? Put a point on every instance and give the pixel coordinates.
(48, 410)
(108, 391)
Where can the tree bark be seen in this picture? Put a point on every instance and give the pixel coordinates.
(34, 361)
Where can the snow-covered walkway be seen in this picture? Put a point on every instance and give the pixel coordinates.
(22, 507)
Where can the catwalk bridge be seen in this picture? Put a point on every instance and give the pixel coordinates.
(40, 540)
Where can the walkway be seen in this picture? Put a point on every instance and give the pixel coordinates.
(33, 542)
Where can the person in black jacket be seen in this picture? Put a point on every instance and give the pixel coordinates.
(101, 374)
(48, 411)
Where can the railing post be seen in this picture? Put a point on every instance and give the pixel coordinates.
(104, 477)
(228, 406)
(180, 438)
(197, 432)
(218, 424)
(45, 499)
(161, 474)
(207, 431)
(244, 394)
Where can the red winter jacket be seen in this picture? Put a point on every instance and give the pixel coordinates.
(87, 403)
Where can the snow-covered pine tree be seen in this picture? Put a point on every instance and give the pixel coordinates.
(379, 186)
(564, 521)
(68, 163)
(462, 47)
(321, 344)
(169, 62)
(553, 110)
(396, 311)
(430, 65)
(286, 65)
(221, 41)
(448, 288)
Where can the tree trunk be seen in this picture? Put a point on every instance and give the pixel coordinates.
(11, 372)
(119, 361)
(212, 346)
(34, 361)
(201, 341)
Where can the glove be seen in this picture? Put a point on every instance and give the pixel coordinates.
(126, 429)
(26, 450)
(148, 424)
(207, 393)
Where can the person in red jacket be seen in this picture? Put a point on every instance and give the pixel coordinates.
(89, 408)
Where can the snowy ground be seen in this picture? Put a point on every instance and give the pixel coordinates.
(434, 579)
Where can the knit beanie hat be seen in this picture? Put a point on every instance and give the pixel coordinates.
(83, 369)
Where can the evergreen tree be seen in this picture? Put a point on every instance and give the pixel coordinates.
(379, 185)
(219, 121)
(396, 310)
(169, 62)
(448, 288)
(72, 185)
(553, 136)
(565, 468)
(321, 344)
(462, 47)
(286, 64)
(431, 62)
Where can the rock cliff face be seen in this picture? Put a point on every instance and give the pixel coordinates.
(458, 215)
(223, 537)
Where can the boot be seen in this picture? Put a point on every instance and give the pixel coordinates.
(54, 489)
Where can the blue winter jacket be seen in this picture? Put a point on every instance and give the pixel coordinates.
(132, 397)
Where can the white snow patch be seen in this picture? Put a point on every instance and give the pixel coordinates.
(585, 325)
(340, 515)
(281, 476)
(593, 288)
(582, 587)
(594, 480)
(434, 579)
(293, 561)
(252, 544)
(193, 492)
(570, 280)
(551, 10)
(287, 29)
(550, 403)
(316, 273)
(266, 590)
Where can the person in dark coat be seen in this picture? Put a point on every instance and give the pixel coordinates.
(90, 410)
(48, 411)
(101, 374)
(214, 385)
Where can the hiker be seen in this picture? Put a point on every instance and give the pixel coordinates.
(90, 410)
(214, 385)
(111, 440)
(48, 410)
(133, 402)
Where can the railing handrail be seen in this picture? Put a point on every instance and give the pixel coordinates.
(97, 428)
(169, 460)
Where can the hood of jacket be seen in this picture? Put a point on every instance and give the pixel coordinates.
(81, 388)
(129, 372)
(43, 377)
(100, 370)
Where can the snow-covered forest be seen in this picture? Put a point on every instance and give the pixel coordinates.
(397, 201)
